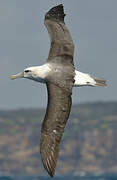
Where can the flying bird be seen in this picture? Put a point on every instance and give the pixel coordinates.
(60, 76)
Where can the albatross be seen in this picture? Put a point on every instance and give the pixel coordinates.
(60, 76)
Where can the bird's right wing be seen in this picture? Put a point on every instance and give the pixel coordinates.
(61, 40)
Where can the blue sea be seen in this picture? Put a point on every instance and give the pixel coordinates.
(84, 177)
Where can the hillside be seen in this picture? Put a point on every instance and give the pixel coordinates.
(89, 142)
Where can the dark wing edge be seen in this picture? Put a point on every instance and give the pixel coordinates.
(57, 113)
(56, 13)
(61, 40)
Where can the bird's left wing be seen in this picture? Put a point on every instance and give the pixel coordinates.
(57, 113)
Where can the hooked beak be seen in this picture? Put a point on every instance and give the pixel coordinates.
(19, 75)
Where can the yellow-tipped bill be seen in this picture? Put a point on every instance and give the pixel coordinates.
(12, 77)
(19, 75)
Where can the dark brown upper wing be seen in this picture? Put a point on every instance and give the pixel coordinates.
(59, 85)
(61, 40)
(57, 113)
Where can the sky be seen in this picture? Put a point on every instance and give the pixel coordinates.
(24, 42)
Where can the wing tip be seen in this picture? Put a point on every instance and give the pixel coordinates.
(49, 168)
(56, 13)
(51, 174)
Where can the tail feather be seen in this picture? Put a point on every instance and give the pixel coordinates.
(83, 79)
(100, 82)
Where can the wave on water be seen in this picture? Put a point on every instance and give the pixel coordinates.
(85, 177)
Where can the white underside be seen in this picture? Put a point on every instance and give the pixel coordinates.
(39, 73)
(83, 79)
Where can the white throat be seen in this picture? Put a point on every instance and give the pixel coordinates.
(39, 73)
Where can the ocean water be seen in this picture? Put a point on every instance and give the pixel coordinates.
(84, 177)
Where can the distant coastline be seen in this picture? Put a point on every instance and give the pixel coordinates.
(89, 143)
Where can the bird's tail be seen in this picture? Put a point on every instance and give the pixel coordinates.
(83, 79)
(100, 82)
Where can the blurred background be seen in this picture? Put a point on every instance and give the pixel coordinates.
(24, 42)
(89, 144)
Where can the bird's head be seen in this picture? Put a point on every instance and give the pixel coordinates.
(29, 73)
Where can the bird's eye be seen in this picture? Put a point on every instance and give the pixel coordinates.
(26, 71)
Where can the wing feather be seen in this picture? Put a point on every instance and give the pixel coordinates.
(58, 110)
(61, 40)
(59, 86)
